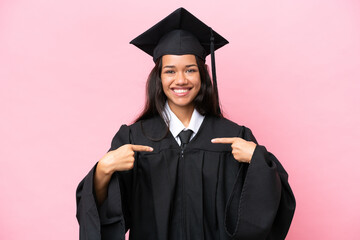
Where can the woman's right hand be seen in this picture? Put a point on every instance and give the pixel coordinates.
(121, 159)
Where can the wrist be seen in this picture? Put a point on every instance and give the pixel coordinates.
(251, 153)
(106, 166)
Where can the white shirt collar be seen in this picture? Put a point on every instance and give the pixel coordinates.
(176, 126)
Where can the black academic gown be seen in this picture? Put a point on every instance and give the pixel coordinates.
(206, 194)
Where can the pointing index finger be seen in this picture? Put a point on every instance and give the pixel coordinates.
(230, 140)
(141, 148)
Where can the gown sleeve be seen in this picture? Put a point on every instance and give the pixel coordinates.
(111, 220)
(261, 204)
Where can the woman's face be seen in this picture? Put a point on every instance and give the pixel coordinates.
(180, 79)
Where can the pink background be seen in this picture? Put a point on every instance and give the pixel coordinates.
(69, 79)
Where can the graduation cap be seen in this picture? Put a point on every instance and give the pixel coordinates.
(181, 33)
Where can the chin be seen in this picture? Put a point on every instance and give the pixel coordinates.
(181, 104)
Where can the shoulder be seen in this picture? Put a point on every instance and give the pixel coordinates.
(147, 131)
(121, 137)
(151, 126)
(140, 132)
(227, 127)
(224, 124)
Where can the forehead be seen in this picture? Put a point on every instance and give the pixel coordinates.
(178, 60)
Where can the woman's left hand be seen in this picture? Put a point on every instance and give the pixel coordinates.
(242, 150)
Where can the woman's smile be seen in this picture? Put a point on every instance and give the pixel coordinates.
(181, 91)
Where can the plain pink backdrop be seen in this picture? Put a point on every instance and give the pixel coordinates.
(69, 79)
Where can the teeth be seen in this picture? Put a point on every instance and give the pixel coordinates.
(181, 90)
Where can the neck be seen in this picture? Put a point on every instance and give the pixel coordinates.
(183, 113)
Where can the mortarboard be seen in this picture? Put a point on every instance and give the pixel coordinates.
(178, 34)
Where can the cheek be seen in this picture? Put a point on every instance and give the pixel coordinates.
(163, 82)
(198, 83)
(165, 86)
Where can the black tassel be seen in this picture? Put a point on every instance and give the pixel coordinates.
(213, 70)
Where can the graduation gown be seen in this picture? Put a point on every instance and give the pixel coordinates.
(202, 193)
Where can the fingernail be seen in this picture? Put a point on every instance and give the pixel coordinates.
(151, 149)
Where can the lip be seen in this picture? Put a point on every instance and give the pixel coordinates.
(180, 92)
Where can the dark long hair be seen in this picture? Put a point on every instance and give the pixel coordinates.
(206, 102)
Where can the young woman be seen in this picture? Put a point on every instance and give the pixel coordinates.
(183, 171)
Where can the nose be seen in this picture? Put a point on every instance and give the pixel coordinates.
(180, 79)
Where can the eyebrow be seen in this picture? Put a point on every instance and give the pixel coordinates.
(172, 66)
(169, 66)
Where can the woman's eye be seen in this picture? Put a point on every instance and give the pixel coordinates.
(191, 70)
(169, 71)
